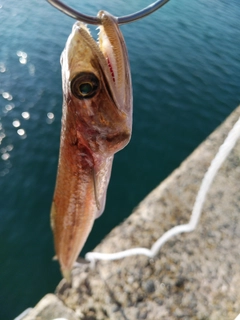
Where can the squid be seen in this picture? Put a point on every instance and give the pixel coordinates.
(96, 123)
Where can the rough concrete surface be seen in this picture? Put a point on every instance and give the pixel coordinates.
(195, 275)
(50, 307)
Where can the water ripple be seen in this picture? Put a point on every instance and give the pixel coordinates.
(186, 79)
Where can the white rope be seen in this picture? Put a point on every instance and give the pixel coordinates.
(220, 157)
(23, 314)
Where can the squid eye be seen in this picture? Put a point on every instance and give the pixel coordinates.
(85, 85)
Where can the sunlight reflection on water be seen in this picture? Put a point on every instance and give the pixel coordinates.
(26, 115)
(22, 57)
(7, 96)
(186, 76)
(2, 68)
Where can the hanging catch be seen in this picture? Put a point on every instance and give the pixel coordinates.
(96, 123)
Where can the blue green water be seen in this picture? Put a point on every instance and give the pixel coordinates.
(185, 62)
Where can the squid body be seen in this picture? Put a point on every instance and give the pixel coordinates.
(96, 123)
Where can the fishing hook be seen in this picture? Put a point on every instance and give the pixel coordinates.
(96, 21)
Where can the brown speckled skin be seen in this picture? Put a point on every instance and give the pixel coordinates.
(92, 131)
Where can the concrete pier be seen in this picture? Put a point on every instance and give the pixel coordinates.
(194, 276)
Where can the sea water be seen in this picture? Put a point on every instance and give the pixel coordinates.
(185, 63)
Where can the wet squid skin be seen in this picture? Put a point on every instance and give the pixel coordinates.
(96, 123)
